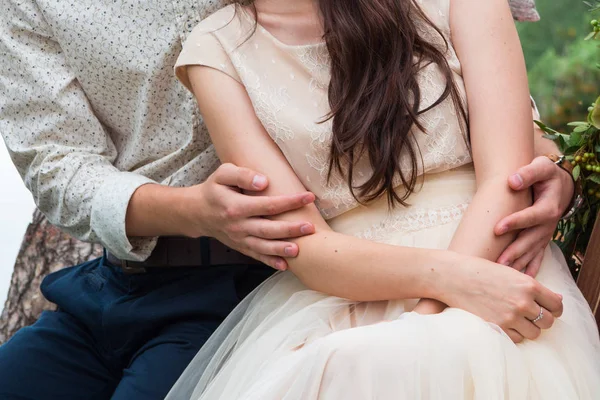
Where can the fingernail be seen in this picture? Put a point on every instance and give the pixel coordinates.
(280, 265)
(516, 180)
(560, 295)
(307, 199)
(259, 181)
(306, 229)
(507, 263)
(289, 251)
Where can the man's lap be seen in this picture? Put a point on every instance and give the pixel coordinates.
(131, 335)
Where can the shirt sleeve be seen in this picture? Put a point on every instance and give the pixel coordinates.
(204, 47)
(59, 147)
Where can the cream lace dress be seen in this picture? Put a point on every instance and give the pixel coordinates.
(288, 342)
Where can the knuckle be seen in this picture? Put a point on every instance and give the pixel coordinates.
(517, 339)
(531, 286)
(555, 212)
(521, 307)
(270, 207)
(263, 231)
(225, 168)
(231, 212)
(234, 229)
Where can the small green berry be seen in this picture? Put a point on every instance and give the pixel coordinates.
(594, 22)
(577, 158)
(598, 195)
(597, 168)
(591, 192)
(588, 167)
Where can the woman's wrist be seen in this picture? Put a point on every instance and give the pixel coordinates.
(442, 275)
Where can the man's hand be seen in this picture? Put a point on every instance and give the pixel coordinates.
(224, 212)
(552, 193)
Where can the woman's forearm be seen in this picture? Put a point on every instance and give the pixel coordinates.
(475, 236)
(361, 270)
(493, 201)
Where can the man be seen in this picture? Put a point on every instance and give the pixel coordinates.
(113, 150)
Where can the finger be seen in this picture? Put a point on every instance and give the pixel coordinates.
(521, 263)
(271, 247)
(527, 329)
(243, 178)
(536, 215)
(534, 266)
(259, 206)
(515, 336)
(549, 300)
(277, 263)
(540, 169)
(525, 242)
(546, 321)
(267, 229)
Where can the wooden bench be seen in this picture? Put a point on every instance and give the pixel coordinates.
(589, 276)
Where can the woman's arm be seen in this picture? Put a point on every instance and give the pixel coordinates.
(330, 262)
(488, 47)
(349, 267)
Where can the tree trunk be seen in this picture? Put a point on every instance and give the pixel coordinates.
(45, 249)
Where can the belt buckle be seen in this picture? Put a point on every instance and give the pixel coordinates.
(130, 269)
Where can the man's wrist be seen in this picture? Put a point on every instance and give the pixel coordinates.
(575, 193)
(158, 210)
(190, 203)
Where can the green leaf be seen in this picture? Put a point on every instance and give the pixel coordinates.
(595, 114)
(571, 150)
(598, 148)
(580, 123)
(576, 171)
(581, 129)
(551, 137)
(585, 218)
(594, 178)
(575, 139)
(545, 128)
(592, 35)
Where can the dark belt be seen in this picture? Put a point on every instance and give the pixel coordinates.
(172, 252)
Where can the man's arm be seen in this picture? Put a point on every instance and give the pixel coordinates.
(59, 147)
(65, 158)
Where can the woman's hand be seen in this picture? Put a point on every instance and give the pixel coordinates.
(552, 193)
(502, 296)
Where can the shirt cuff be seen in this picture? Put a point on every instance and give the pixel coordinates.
(536, 112)
(109, 208)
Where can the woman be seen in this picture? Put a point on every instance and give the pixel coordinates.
(373, 119)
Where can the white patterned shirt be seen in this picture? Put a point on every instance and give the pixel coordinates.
(90, 109)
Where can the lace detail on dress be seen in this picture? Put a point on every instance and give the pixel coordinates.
(412, 220)
(318, 63)
(267, 100)
(336, 195)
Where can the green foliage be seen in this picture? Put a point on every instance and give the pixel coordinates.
(577, 75)
(558, 60)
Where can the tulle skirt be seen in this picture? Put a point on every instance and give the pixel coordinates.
(286, 341)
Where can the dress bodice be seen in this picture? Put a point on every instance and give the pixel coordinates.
(288, 89)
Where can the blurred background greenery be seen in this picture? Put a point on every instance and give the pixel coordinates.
(562, 74)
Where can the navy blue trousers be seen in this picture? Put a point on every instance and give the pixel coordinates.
(118, 336)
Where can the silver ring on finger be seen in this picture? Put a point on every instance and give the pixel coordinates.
(539, 317)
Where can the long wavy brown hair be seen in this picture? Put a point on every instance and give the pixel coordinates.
(376, 54)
